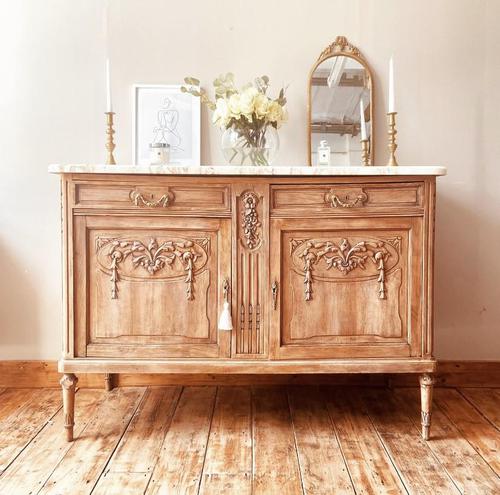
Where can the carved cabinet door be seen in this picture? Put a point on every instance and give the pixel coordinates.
(150, 286)
(347, 287)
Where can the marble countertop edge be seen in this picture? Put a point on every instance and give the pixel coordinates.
(279, 170)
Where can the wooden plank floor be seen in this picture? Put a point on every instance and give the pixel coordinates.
(243, 440)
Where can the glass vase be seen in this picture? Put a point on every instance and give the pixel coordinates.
(250, 147)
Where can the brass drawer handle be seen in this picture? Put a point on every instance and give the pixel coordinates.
(274, 290)
(140, 199)
(337, 201)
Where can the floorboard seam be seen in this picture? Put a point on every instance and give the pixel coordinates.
(337, 438)
(119, 439)
(462, 434)
(295, 441)
(65, 454)
(25, 446)
(478, 409)
(165, 437)
(208, 440)
(384, 446)
(429, 447)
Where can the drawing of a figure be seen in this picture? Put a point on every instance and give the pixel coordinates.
(166, 131)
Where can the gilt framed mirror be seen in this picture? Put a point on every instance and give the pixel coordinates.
(340, 109)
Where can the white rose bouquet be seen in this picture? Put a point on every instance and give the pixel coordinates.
(248, 112)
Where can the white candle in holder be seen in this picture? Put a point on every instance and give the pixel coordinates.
(109, 106)
(362, 116)
(392, 106)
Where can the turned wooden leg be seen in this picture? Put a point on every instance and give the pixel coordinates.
(68, 384)
(108, 381)
(426, 386)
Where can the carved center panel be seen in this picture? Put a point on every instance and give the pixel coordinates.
(330, 259)
(158, 258)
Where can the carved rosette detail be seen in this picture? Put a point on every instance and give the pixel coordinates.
(68, 381)
(345, 258)
(250, 220)
(427, 380)
(153, 257)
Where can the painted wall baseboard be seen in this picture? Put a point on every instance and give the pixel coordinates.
(38, 374)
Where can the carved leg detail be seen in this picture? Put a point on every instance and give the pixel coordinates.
(68, 384)
(426, 387)
(108, 382)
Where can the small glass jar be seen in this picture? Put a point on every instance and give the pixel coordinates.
(159, 153)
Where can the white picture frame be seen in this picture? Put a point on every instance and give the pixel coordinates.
(162, 113)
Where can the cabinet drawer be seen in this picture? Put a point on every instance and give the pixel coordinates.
(341, 198)
(165, 197)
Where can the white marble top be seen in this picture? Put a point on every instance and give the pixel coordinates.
(247, 170)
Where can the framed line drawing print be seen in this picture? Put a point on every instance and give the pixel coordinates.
(163, 114)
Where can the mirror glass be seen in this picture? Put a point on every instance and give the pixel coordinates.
(340, 97)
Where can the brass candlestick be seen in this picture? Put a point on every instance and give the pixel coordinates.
(365, 152)
(110, 145)
(391, 117)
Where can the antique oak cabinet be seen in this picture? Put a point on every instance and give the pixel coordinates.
(327, 270)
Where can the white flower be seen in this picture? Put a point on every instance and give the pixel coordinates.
(234, 104)
(247, 101)
(221, 113)
(261, 105)
(274, 112)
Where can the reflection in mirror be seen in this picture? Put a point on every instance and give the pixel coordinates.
(340, 108)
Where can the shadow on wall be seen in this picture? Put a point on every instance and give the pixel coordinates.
(19, 319)
(466, 268)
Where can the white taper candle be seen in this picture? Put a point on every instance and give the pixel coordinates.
(392, 106)
(109, 106)
(362, 117)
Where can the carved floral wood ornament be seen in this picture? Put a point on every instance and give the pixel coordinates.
(345, 257)
(180, 255)
(250, 220)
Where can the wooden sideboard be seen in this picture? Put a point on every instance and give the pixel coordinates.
(324, 274)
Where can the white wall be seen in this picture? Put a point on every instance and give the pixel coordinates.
(52, 96)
